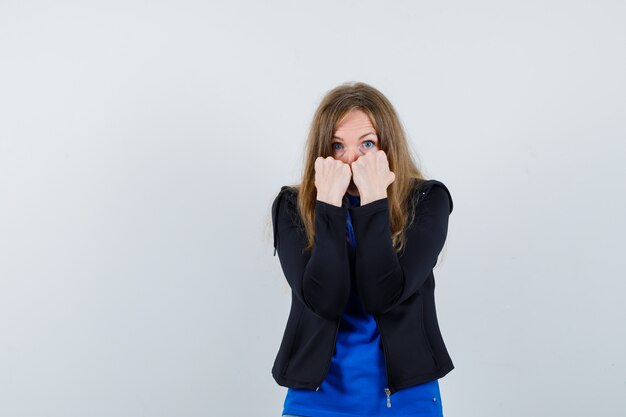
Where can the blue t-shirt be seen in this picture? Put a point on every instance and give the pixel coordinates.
(356, 381)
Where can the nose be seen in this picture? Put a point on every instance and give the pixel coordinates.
(351, 156)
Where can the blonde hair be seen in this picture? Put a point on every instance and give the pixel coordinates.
(335, 105)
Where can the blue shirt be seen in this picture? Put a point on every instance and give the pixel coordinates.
(356, 380)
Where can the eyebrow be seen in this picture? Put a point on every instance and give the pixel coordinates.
(368, 133)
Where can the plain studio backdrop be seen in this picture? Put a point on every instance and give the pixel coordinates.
(142, 144)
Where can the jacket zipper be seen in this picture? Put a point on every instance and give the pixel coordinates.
(331, 357)
(387, 389)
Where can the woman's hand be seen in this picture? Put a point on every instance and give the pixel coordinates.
(372, 176)
(332, 178)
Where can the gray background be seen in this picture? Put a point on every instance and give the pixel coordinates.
(142, 143)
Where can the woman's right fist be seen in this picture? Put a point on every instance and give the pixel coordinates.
(332, 178)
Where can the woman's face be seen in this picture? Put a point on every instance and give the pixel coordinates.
(355, 136)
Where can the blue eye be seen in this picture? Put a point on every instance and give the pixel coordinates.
(370, 141)
(336, 143)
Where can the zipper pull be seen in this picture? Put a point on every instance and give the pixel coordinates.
(388, 397)
(317, 389)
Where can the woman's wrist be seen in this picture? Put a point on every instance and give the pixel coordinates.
(330, 200)
(365, 199)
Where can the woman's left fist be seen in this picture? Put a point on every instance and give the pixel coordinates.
(372, 176)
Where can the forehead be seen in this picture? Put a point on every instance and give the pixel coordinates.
(355, 121)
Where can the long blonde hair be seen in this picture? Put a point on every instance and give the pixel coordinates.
(335, 105)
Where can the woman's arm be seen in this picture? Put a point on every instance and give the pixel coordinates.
(385, 278)
(320, 279)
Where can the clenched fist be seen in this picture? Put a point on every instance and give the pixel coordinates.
(372, 176)
(332, 178)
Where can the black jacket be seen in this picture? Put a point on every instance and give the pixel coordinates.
(398, 289)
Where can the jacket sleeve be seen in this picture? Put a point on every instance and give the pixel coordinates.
(320, 279)
(384, 277)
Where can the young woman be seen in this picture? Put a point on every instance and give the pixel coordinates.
(357, 241)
